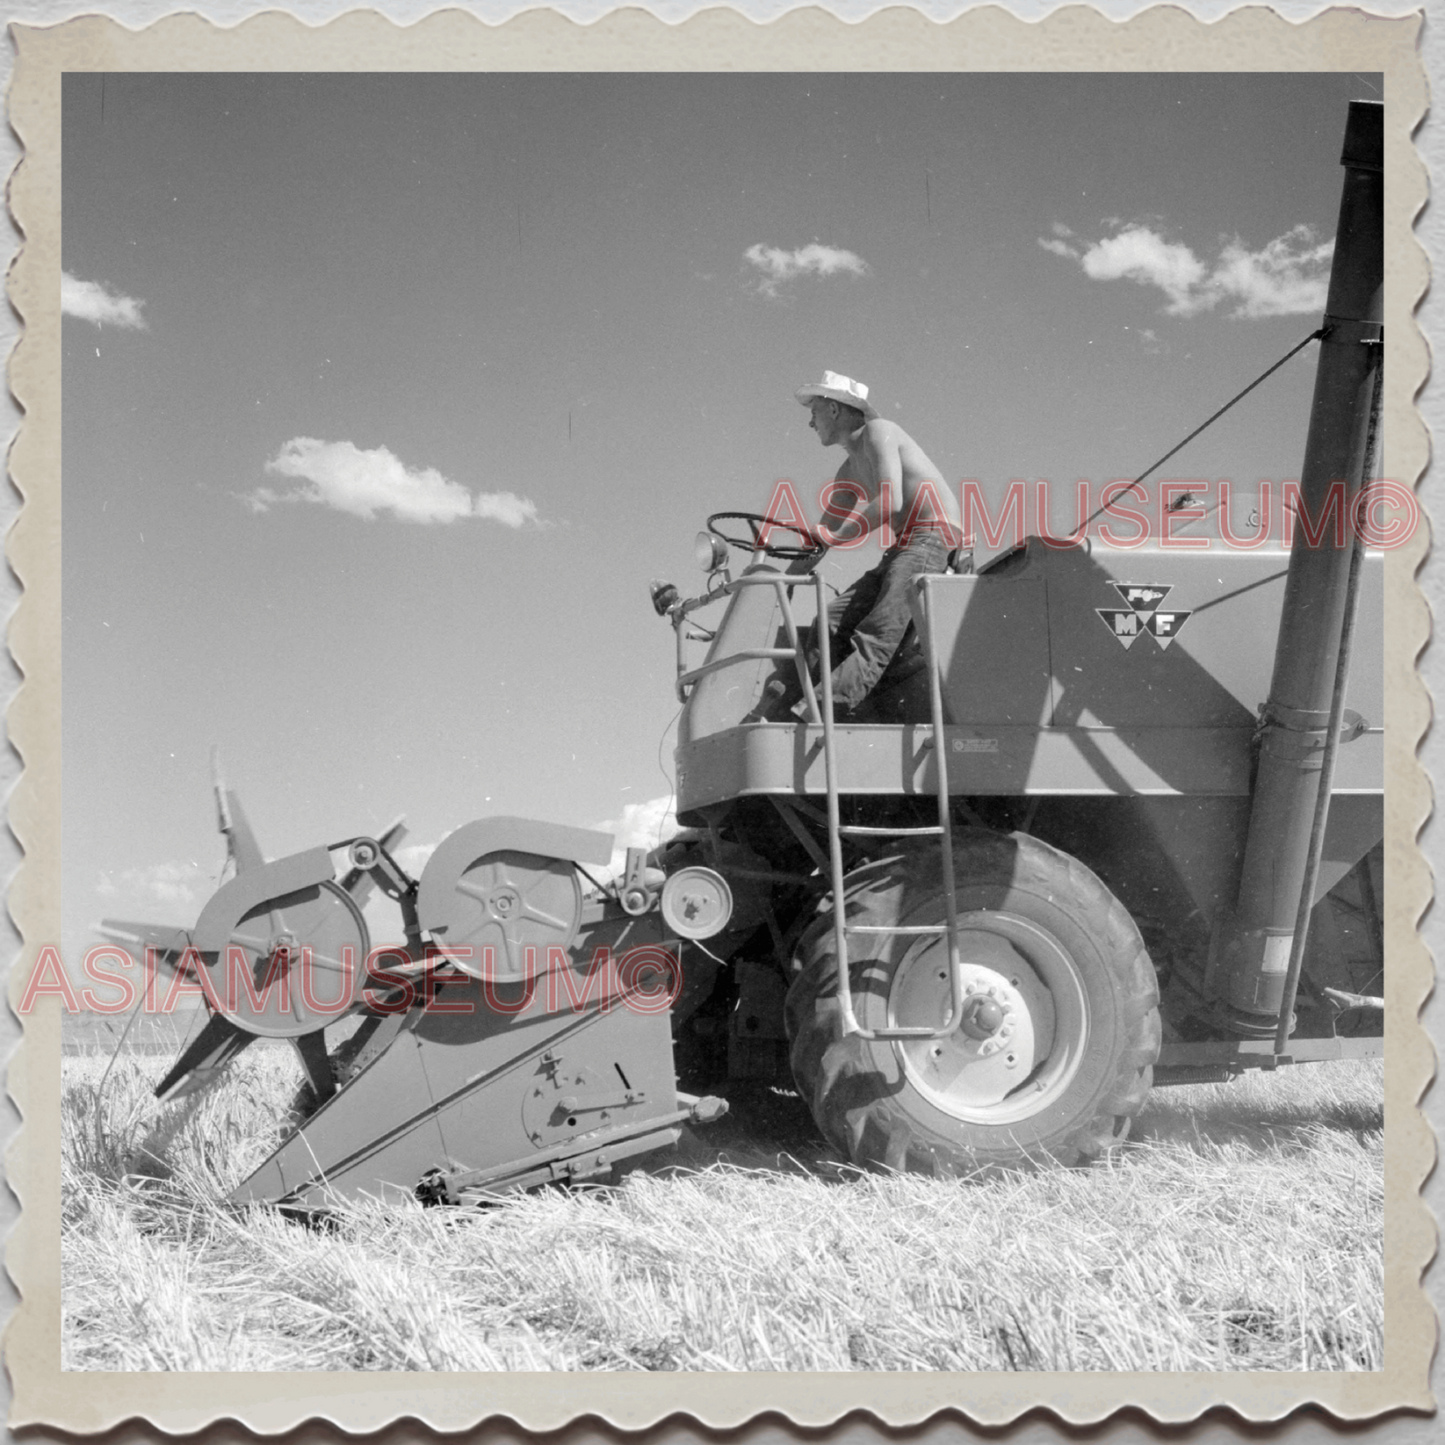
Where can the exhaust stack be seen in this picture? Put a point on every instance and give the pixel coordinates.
(1295, 722)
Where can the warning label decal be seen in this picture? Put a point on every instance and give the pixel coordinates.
(1141, 613)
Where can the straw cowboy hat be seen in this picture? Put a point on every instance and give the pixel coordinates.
(838, 388)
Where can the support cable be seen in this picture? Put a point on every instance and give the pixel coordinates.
(1313, 336)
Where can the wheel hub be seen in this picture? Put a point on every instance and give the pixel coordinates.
(504, 903)
(982, 1016)
(290, 965)
(283, 942)
(1008, 1050)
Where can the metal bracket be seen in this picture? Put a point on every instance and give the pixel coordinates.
(638, 891)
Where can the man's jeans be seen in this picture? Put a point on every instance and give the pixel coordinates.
(874, 613)
(871, 617)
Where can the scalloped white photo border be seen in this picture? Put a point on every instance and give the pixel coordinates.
(989, 38)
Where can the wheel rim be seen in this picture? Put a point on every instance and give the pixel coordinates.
(1024, 995)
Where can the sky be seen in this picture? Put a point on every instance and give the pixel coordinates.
(385, 397)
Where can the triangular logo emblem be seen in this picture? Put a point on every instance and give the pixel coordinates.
(1142, 596)
(1123, 624)
(1141, 614)
(1165, 625)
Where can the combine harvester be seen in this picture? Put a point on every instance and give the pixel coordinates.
(1066, 862)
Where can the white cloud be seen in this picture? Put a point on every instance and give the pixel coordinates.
(1059, 248)
(93, 301)
(343, 476)
(413, 857)
(778, 265)
(180, 888)
(505, 507)
(264, 498)
(1287, 277)
(1142, 255)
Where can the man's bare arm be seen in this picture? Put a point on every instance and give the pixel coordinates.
(845, 503)
(874, 499)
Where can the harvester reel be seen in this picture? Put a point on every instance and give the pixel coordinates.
(302, 949)
(756, 525)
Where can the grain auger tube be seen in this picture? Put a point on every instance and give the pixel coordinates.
(1259, 946)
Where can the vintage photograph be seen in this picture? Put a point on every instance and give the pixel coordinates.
(723, 722)
(392, 407)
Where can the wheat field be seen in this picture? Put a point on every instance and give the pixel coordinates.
(1242, 1228)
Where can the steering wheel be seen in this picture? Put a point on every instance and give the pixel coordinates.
(756, 523)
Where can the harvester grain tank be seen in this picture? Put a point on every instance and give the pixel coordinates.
(1063, 857)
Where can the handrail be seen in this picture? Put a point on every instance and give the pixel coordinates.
(747, 654)
(782, 584)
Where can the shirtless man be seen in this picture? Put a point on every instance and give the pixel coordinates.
(886, 476)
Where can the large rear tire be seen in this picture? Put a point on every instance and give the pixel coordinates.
(1063, 980)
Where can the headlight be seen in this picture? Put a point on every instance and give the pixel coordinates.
(663, 595)
(711, 552)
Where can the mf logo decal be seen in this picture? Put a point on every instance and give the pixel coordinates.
(1141, 613)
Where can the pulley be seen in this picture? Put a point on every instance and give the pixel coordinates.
(696, 902)
(500, 886)
(505, 904)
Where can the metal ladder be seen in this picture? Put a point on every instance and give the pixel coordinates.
(942, 830)
(822, 713)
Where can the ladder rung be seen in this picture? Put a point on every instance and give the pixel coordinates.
(935, 831)
(895, 928)
(906, 1033)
